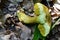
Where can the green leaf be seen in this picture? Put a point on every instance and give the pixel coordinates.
(37, 34)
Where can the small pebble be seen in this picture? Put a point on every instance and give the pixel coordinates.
(54, 31)
(12, 7)
(59, 28)
(58, 38)
(16, 0)
(57, 35)
(53, 39)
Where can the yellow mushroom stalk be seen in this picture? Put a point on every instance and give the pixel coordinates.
(25, 18)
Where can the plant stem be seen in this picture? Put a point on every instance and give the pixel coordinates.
(55, 23)
(48, 3)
